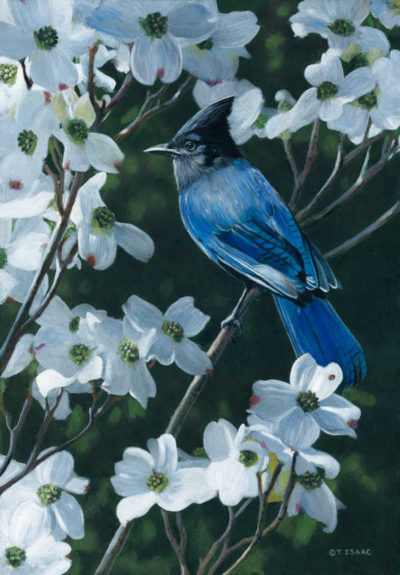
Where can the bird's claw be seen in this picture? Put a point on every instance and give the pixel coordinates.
(232, 321)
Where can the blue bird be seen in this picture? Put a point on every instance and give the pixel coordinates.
(241, 223)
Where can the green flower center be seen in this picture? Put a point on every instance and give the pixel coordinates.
(3, 259)
(74, 324)
(15, 556)
(311, 481)
(154, 25)
(103, 218)
(27, 141)
(284, 106)
(49, 493)
(45, 38)
(157, 482)
(308, 401)
(248, 458)
(79, 353)
(342, 27)
(326, 90)
(8, 73)
(128, 351)
(394, 6)
(173, 329)
(200, 452)
(205, 45)
(260, 121)
(77, 131)
(368, 101)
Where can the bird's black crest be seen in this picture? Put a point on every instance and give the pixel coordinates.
(212, 125)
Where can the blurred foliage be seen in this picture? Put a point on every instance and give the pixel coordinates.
(145, 194)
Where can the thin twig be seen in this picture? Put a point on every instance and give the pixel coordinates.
(358, 185)
(149, 111)
(174, 543)
(91, 79)
(364, 234)
(14, 431)
(120, 93)
(332, 178)
(217, 543)
(271, 527)
(287, 145)
(311, 157)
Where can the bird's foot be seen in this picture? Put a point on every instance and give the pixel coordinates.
(232, 321)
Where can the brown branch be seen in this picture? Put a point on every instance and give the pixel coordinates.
(287, 145)
(311, 157)
(217, 543)
(149, 111)
(91, 79)
(364, 234)
(120, 93)
(174, 543)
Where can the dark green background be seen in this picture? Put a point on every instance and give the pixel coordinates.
(145, 194)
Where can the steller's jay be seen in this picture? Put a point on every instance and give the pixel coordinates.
(237, 218)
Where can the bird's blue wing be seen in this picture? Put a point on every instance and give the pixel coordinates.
(240, 221)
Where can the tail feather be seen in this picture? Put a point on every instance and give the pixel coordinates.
(316, 328)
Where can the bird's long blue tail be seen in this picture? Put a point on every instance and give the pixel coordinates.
(317, 329)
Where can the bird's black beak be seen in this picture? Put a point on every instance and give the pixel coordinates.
(163, 149)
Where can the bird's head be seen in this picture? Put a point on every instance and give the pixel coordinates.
(202, 143)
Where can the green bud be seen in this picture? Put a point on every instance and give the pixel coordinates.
(27, 141)
(79, 353)
(15, 556)
(173, 329)
(77, 131)
(128, 351)
(154, 25)
(45, 38)
(308, 401)
(157, 482)
(49, 493)
(8, 73)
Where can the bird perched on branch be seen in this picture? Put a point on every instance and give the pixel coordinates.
(237, 218)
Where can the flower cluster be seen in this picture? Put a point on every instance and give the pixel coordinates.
(237, 463)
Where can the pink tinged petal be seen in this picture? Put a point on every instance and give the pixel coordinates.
(144, 60)
(99, 250)
(192, 22)
(50, 379)
(21, 357)
(135, 506)
(69, 515)
(298, 429)
(78, 485)
(294, 506)
(168, 57)
(187, 315)
(320, 504)
(48, 556)
(235, 29)
(75, 157)
(164, 452)
(219, 439)
(191, 359)
(194, 485)
(134, 241)
(51, 68)
(103, 153)
(142, 385)
(56, 469)
(277, 399)
(13, 44)
(325, 380)
(142, 314)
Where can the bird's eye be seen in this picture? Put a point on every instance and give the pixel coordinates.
(189, 145)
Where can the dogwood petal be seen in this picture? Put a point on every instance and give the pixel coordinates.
(134, 241)
(219, 439)
(103, 153)
(190, 358)
(69, 515)
(135, 506)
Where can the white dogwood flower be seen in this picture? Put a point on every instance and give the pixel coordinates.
(47, 491)
(19, 198)
(27, 546)
(172, 332)
(99, 233)
(307, 405)
(157, 29)
(154, 477)
(21, 356)
(235, 460)
(388, 12)
(217, 58)
(336, 20)
(43, 32)
(83, 148)
(281, 123)
(330, 91)
(12, 84)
